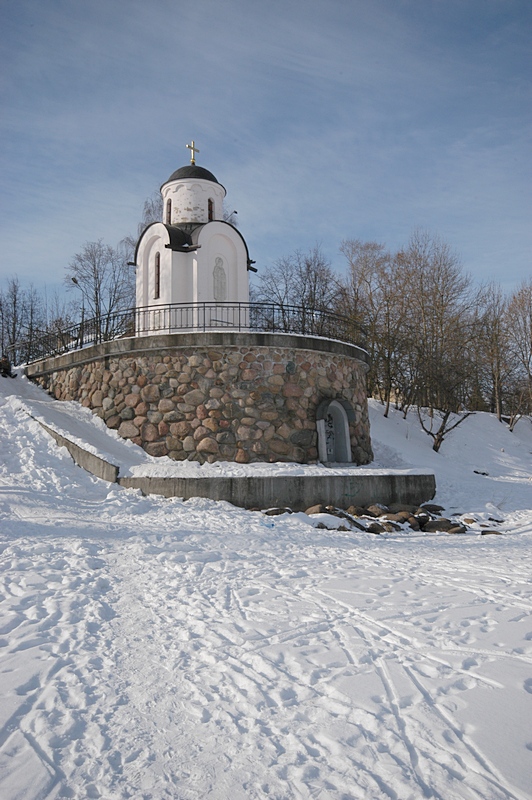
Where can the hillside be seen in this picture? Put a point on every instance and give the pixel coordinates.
(156, 648)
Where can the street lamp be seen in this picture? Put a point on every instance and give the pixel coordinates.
(80, 334)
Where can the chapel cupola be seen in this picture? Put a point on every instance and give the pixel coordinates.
(192, 256)
(192, 195)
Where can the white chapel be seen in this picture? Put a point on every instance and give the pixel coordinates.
(192, 256)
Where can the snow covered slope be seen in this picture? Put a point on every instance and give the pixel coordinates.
(151, 648)
(480, 444)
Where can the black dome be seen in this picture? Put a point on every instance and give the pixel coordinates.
(192, 171)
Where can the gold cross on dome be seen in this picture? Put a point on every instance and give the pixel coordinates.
(194, 150)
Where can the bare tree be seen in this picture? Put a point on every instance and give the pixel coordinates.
(21, 319)
(372, 296)
(152, 211)
(230, 216)
(520, 338)
(300, 279)
(104, 281)
(304, 290)
(416, 306)
(12, 306)
(492, 353)
(34, 321)
(442, 331)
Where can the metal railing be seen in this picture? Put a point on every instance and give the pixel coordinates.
(187, 317)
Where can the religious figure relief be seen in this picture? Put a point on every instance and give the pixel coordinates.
(329, 437)
(219, 280)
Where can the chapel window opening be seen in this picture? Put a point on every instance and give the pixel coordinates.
(157, 277)
(168, 212)
(210, 203)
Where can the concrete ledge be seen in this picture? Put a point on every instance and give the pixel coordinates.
(298, 491)
(88, 461)
(160, 342)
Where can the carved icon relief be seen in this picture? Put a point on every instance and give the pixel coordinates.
(219, 280)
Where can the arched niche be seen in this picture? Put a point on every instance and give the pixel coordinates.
(332, 421)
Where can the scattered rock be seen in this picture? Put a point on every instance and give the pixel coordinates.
(397, 508)
(275, 512)
(375, 527)
(458, 529)
(480, 472)
(404, 515)
(317, 509)
(390, 527)
(432, 508)
(338, 512)
(356, 511)
(387, 519)
(489, 531)
(440, 524)
(392, 517)
(401, 518)
(422, 517)
(376, 510)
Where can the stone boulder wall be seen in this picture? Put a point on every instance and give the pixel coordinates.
(204, 403)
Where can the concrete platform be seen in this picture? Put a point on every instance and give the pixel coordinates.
(296, 491)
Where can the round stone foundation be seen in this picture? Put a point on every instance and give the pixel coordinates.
(217, 396)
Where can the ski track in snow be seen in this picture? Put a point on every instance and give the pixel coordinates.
(161, 649)
(186, 664)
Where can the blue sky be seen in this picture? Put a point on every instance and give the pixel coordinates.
(324, 119)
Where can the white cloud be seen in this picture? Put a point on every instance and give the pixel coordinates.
(324, 120)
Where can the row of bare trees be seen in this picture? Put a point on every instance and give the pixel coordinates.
(99, 282)
(26, 315)
(436, 341)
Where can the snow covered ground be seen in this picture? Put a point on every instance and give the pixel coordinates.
(154, 648)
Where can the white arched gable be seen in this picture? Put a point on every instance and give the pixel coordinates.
(154, 242)
(192, 259)
(222, 248)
